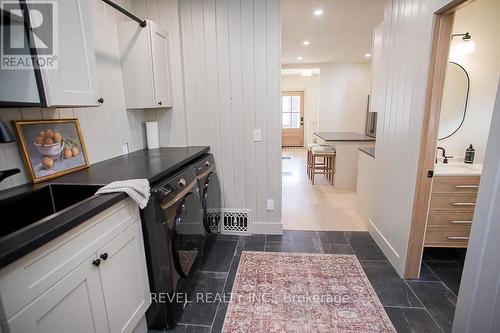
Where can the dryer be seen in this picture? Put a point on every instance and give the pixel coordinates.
(210, 193)
(175, 241)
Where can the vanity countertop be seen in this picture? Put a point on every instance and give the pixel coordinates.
(457, 169)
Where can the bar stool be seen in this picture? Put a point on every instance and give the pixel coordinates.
(327, 168)
(309, 157)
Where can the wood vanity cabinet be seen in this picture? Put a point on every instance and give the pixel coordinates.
(91, 279)
(451, 210)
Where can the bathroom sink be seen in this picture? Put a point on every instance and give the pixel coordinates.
(26, 209)
(457, 169)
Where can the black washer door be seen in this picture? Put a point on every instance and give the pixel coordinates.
(211, 200)
(189, 234)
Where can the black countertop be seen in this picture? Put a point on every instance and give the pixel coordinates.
(343, 136)
(150, 164)
(368, 150)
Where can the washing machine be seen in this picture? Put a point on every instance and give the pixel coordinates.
(175, 241)
(210, 193)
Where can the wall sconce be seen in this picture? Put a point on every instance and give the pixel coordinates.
(465, 46)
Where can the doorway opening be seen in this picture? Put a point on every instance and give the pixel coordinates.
(457, 120)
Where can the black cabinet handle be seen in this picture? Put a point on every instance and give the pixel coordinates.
(159, 103)
(104, 256)
(96, 262)
(101, 100)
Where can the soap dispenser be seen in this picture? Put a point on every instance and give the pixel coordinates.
(469, 155)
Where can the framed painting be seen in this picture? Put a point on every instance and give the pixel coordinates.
(51, 148)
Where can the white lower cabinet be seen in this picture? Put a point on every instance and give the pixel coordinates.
(124, 280)
(106, 293)
(75, 304)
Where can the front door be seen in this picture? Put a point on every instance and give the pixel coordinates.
(292, 119)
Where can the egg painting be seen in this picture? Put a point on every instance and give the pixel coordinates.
(51, 148)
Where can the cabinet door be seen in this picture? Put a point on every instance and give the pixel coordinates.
(75, 304)
(74, 82)
(124, 279)
(161, 70)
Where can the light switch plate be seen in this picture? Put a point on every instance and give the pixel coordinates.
(270, 204)
(257, 135)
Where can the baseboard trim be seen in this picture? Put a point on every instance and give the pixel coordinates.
(268, 228)
(384, 245)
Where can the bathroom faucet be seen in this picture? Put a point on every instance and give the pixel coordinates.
(445, 158)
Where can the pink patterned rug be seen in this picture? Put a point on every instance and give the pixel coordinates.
(297, 292)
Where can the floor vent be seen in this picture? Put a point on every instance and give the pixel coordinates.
(213, 220)
(236, 221)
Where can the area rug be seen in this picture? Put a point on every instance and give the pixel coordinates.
(297, 292)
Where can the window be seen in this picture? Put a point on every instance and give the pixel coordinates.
(290, 113)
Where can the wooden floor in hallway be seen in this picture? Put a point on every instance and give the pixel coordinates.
(314, 207)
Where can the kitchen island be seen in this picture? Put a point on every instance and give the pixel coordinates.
(346, 145)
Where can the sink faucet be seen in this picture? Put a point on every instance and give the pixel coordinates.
(7, 173)
(445, 158)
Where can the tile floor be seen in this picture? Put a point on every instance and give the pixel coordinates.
(424, 305)
(314, 207)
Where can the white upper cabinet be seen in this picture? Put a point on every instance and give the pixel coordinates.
(145, 65)
(74, 83)
(61, 41)
(379, 69)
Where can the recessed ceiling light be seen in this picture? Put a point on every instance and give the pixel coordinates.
(299, 58)
(318, 12)
(368, 55)
(306, 42)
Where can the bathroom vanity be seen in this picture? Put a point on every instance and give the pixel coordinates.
(453, 200)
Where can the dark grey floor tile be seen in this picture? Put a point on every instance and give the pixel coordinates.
(450, 273)
(294, 241)
(294, 246)
(411, 320)
(181, 328)
(444, 254)
(333, 237)
(251, 243)
(330, 248)
(219, 318)
(390, 288)
(202, 304)
(231, 275)
(364, 246)
(220, 255)
(438, 300)
(426, 274)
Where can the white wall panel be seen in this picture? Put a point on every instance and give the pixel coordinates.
(231, 52)
(406, 50)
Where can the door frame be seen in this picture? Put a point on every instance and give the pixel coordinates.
(441, 41)
(302, 93)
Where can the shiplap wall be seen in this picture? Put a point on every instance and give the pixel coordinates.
(105, 128)
(406, 51)
(231, 57)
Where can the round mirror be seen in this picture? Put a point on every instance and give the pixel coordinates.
(454, 103)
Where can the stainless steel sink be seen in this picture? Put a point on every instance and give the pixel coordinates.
(30, 207)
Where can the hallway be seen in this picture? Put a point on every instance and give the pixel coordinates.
(319, 207)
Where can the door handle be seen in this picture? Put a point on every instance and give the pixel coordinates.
(302, 121)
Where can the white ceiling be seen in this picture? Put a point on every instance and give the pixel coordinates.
(342, 34)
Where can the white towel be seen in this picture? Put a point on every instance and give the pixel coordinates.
(137, 189)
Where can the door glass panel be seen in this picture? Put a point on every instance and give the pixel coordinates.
(286, 104)
(295, 103)
(286, 120)
(295, 120)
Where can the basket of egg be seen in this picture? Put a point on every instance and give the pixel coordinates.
(53, 146)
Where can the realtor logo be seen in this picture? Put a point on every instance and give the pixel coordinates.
(32, 48)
